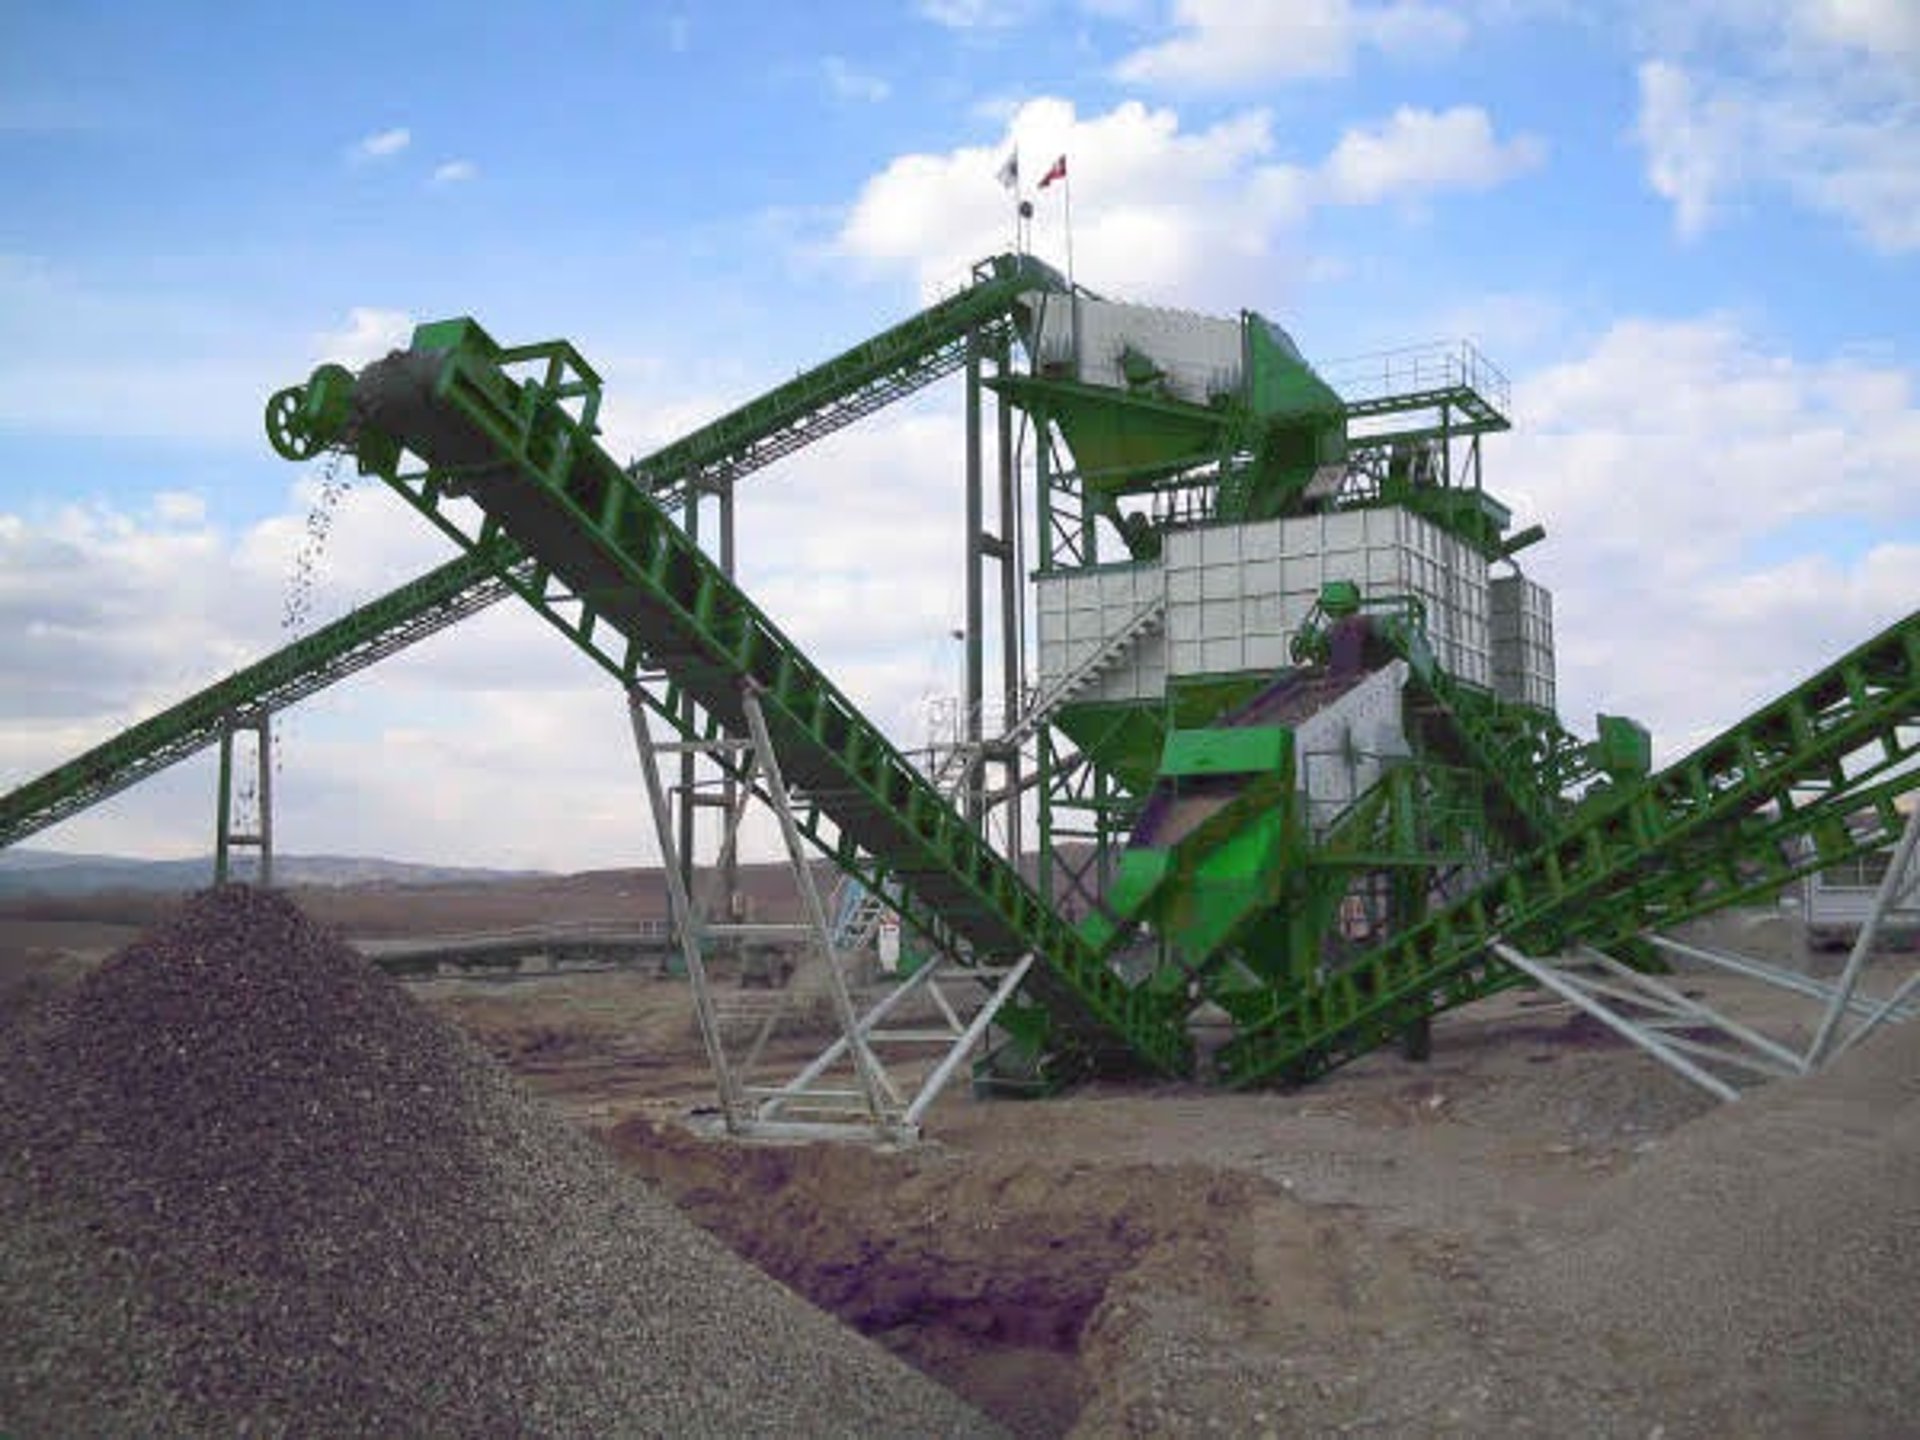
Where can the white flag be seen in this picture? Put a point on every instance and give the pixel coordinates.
(1010, 171)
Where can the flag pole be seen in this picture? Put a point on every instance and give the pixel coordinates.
(1067, 181)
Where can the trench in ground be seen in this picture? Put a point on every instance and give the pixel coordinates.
(983, 1274)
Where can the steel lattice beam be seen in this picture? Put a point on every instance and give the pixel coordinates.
(630, 588)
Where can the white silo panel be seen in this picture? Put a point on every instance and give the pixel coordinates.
(1387, 528)
(1222, 657)
(1052, 634)
(1183, 637)
(1183, 618)
(1195, 352)
(1096, 354)
(1220, 545)
(1262, 576)
(1150, 668)
(1386, 571)
(1345, 531)
(1222, 581)
(1050, 624)
(1261, 541)
(1300, 575)
(1267, 652)
(1085, 629)
(1219, 619)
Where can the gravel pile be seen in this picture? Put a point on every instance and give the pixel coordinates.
(250, 1184)
(1760, 1269)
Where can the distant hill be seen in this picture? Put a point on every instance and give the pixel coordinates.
(25, 871)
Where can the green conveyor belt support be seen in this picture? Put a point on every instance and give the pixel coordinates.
(1805, 782)
(508, 433)
(895, 363)
(333, 652)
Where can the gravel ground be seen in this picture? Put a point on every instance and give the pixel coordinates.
(252, 1186)
(1759, 1269)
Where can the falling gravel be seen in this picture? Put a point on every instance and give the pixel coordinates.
(251, 1185)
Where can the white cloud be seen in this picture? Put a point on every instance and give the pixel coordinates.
(495, 743)
(1235, 44)
(845, 82)
(179, 507)
(1888, 28)
(1192, 217)
(370, 333)
(455, 172)
(1689, 152)
(1422, 150)
(978, 14)
(1722, 518)
(383, 144)
(1819, 102)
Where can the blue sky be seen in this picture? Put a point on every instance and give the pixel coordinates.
(1691, 235)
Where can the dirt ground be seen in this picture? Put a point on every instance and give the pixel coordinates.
(1165, 1259)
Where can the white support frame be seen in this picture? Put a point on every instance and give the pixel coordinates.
(874, 1105)
(1648, 1011)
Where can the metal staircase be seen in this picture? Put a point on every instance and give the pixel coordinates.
(1148, 620)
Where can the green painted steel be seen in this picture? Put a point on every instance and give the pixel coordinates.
(333, 652)
(1806, 782)
(874, 373)
(510, 430)
(894, 363)
(1227, 835)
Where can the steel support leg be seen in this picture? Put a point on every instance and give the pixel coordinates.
(223, 809)
(1891, 887)
(685, 921)
(1785, 1059)
(1774, 975)
(943, 1072)
(226, 838)
(1654, 1044)
(795, 1088)
(873, 1085)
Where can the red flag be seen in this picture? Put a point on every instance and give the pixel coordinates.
(1055, 171)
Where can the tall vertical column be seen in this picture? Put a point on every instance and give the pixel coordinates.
(1012, 641)
(689, 762)
(226, 837)
(975, 680)
(1046, 763)
(263, 831)
(729, 898)
(223, 806)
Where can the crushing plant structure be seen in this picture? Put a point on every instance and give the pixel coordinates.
(1287, 752)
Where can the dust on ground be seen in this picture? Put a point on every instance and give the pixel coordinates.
(1399, 1248)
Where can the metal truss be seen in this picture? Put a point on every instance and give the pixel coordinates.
(1705, 1045)
(868, 1100)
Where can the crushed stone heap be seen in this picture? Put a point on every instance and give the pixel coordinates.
(1764, 1260)
(250, 1183)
